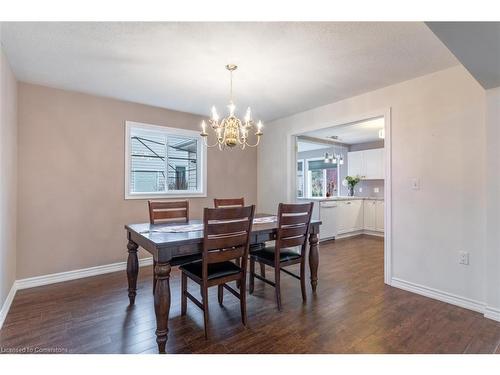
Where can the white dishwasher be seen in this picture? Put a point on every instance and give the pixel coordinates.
(328, 217)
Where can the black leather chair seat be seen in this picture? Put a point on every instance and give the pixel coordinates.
(215, 270)
(268, 254)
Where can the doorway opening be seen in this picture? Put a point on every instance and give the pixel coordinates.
(345, 169)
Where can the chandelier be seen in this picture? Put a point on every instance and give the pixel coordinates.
(334, 158)
(231, 131)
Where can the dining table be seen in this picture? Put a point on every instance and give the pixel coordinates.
(174, 244)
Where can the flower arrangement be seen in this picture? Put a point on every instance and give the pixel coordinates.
(350, 182)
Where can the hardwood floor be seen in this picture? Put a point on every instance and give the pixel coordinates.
(353, 312)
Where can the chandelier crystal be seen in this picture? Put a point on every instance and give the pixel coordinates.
(230, 131)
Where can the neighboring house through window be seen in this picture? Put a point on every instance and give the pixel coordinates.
(162, 162)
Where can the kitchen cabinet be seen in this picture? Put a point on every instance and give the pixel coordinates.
(370, 214)
(368, 164)
(350, 216)
(379, 216)
(346, 217)
(355, 163)
(374, 164)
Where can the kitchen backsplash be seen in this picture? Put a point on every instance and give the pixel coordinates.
(368, 188)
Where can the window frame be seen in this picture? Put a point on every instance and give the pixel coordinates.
(303, 161)
(202, 163)
(308, 179)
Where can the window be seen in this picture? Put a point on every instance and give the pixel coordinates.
(322, 178)
(163, 162)
(300, 178)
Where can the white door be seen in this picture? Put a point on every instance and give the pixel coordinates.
(369, 216)
(328, 213)
(379, 218)
(355, 164)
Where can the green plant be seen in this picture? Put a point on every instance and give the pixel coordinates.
(352, 181)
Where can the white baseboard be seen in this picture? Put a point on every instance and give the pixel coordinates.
(453, 299)
(492, 313)
(53, 278)
(7, 303)
(374, 233)
(353, 234)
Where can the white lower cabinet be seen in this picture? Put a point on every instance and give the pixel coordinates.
(350, 216)
(340, 218)
(370, 213)
(379, 216)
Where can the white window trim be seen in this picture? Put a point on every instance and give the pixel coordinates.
(172, 193)
(303, 161)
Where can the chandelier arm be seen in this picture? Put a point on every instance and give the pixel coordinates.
(206, 142)
(256, 144)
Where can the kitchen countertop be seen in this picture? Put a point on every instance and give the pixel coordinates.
(343, 198)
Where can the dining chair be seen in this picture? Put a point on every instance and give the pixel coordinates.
(229, 202)
(226, 237)
(293, 229)
(240, 202)
(162, 212)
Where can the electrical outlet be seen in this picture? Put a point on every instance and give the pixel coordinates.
(415, 184)
(376, 190)
(463, 257)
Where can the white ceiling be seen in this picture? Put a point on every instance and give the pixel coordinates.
(359, 132)
(285, 67)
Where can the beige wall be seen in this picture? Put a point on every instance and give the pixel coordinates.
(438, 136)
(8, 178)
(71, 178)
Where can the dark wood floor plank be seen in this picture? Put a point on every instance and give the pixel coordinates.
(352, 312)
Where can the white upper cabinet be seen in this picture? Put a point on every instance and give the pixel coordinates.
(355, 163)
(368, 164)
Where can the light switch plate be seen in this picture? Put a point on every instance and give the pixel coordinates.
(463, 257)
(360, 189)
(415, 184)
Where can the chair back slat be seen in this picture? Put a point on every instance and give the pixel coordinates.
(293, 226)
(293, 231)
(225, 242)
(294, 219)
(229, 202)
(225, 227)
(226, 213)
(225, 255)
(168, 212)
(226, 234)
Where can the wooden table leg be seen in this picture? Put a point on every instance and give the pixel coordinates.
(162, 303)
(313, 259)
(132, 270)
